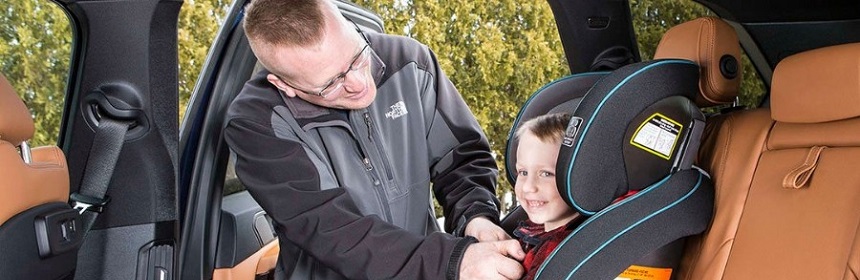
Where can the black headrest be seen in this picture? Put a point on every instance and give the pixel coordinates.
(631, 130)
(562, 95)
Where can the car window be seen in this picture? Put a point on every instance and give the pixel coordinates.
(35, 52)
(651, 19)
(198, 24)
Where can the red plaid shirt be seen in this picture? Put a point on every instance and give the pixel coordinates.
(538, 244)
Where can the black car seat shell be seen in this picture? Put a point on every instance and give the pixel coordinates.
(635, 130)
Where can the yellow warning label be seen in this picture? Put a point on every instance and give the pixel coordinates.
(635, 272)
(657, 135)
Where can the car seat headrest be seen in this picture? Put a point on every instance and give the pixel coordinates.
(634, 128)
(562, 95)
(712, 44)
(16, 125)
(817, 86)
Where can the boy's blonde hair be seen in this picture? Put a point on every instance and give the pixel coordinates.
(548, 128)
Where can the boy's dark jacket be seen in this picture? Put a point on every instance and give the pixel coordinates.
(349, 192)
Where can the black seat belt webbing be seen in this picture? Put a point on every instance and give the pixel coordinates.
(104, 152)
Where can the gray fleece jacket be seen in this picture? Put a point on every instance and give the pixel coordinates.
(349, 191)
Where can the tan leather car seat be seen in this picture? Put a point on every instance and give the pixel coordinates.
(25, 185)
(34, 185)
(787, 178)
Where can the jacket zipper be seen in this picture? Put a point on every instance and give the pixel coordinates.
(368, 166)
(379, 150)
(364, 158)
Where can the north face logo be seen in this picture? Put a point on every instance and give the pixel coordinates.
(397, 110)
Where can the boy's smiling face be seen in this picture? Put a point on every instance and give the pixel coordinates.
(536, 187)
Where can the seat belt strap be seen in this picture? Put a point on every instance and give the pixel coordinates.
(104, 152)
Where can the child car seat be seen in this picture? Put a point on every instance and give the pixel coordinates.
(638, 129)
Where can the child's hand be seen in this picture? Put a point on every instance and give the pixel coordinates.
(485, 230)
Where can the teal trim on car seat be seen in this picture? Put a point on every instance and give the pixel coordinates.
(698, 183)
(591, 119)
(528, 101)
(612, 207)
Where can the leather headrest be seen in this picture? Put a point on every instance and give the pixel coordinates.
(16, 123)
(817, 86)
(713, 45)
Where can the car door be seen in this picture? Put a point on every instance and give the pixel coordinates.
(225, 233)
(124, 67)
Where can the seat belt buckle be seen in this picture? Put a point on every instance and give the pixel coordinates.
(84, 203)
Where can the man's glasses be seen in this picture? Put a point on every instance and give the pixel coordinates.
(361, 60)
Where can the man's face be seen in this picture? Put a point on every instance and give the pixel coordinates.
(536, 187)
(338, 67)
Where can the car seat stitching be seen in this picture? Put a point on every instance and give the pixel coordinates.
(764, 147)
(726, 143)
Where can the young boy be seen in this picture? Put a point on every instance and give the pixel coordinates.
(550, 219)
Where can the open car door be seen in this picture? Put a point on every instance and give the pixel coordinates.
(225, 233)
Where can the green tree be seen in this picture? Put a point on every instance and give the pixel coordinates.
(199, 22)
(35, 47)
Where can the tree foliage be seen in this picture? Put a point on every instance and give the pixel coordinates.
(35, 48)
(199, 22)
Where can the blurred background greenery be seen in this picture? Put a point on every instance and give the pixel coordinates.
(497, 53)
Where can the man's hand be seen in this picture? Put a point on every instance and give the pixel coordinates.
(492, 260)
(485, 230)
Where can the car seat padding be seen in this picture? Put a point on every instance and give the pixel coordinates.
(608, 242)
(591, 168)
(561, 95)
(599, 162)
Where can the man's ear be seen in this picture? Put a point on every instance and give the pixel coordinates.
(278, 83)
